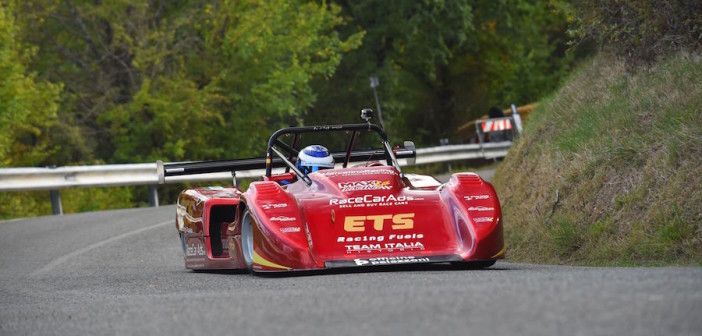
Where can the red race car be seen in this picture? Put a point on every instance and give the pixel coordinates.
(323, 210)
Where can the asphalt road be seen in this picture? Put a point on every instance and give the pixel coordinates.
(121, 272)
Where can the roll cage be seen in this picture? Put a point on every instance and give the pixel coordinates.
(275, 145)
(279, 154)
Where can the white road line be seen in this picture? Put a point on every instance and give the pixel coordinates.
(62, 259)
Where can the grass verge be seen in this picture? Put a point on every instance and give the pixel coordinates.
(609, 169)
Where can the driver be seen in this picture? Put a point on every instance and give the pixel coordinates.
(313, 158)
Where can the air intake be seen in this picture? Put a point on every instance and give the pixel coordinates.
(267, 188)
(469, 178)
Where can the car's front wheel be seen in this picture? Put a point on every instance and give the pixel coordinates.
(247, 238)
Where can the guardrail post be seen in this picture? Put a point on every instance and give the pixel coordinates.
(153, 196)
(517, 120)
(445, 142)
(479, 132)
(56, 207)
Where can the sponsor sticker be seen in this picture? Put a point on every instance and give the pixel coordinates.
(381, 243)
(365, 185)
(282, 219)
(476, 197)
(482, 219)
(213, 188)
(380, 261)
(404, 221)
(372, 201)
(389, 247)
(194, 250)
(274, 206)
(356, 172)
(481, 208)
(381, 238)
(290, 229)
(326, 128)
(389, 261)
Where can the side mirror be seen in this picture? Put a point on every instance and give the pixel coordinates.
(409, 145)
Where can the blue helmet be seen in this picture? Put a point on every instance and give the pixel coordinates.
(313, 158)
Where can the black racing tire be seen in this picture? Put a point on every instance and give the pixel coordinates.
(473, 265)
(247, 238)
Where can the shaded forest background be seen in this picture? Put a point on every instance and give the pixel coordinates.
(138, 81)
(126, 81)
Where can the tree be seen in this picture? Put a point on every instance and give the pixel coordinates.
(520, 55)
(28, 106)
(442, 63)
(138, 72)
(406, 45)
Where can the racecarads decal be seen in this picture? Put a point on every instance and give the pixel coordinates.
(365, 185)
(476, 197)
(403, 221)
(371, 201)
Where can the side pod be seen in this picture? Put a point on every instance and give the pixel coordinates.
(478, 216)
(279, 231)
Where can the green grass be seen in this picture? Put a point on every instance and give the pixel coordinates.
(623, 150)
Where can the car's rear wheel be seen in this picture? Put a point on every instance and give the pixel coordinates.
(247, 238)
(472, 265)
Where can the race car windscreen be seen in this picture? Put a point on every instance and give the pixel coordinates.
(337, 142)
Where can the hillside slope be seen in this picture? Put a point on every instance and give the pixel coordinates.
(609, 169)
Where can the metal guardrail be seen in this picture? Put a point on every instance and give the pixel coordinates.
(450, 153)
(54, 179)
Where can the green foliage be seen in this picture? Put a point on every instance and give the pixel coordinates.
(38, 203)
(27, 105)
(193, 81)
(124, 81)
(161, 80)
(263, 64)
(407, 44)
(640, 30)
(442, 63)
(96, 199)
(24, 204)
(173, 116)
(521, 51)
